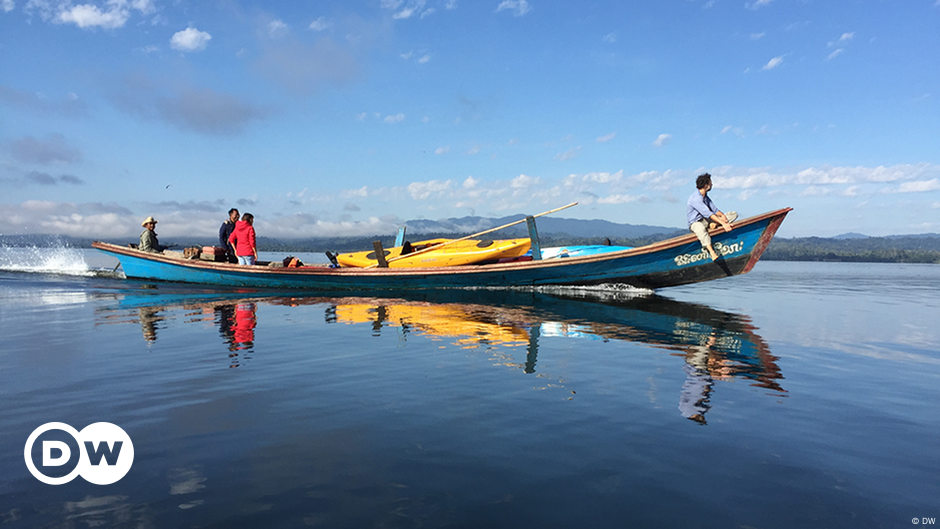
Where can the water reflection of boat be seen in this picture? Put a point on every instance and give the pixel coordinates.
(456, 321)
(234, 312)
(715, 345)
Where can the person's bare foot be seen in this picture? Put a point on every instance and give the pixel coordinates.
(714, 256)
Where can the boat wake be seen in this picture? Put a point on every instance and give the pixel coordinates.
(609, 291)
(606, 291)
(59, 260)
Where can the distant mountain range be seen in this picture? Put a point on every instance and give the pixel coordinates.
(922, 248)
(851, 235)
(546, 225)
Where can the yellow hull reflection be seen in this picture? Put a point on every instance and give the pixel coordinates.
(452, 321)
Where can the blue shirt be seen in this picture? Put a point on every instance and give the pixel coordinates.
(699, 207)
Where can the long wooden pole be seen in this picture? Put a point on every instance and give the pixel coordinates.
(484, 232)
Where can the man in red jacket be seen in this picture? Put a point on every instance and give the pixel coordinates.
(242, 240)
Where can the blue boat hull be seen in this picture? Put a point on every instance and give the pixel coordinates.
(673, 262)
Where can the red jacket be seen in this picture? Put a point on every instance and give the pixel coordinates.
(243, 237)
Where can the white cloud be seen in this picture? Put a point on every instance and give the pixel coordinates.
(758, 36)
(815, 191)
(912, 177)
(569, 154)
(834, 188)
(838, 44)
(424, 59)
(114, 14)
(607, 137)
(773, 63)
(442, 150)
(414, 7)
(146, 7)
(619, 199)
(610, 38)
(518, 7)
(362, 192)
(601, 178)
(662, 139)
(7, 6)
(89, 16)
(524, 181)
(277, 28)
(920, 186)
(305, 225)
(319, 24)
(397, 118)
(425, 190)
(843, 39)
(757, 4)
(190, 39)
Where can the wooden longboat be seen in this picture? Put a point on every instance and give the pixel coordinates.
(677, 261)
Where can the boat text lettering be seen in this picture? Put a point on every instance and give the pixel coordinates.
(722, 249)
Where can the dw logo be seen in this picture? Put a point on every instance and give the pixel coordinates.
(102, 453)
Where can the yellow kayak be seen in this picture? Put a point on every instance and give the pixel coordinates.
(455, 254)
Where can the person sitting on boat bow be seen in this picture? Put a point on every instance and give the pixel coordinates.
(702, 214)
(148, 238)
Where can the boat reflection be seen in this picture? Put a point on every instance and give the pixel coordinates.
(714, 345)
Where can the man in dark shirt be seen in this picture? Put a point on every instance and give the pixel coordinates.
(224, 231)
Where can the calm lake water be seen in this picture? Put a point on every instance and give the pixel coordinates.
(799, 395)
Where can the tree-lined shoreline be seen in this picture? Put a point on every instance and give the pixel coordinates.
(892, 249)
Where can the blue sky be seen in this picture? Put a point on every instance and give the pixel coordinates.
(334, 117)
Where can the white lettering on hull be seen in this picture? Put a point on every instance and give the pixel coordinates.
(721, 249)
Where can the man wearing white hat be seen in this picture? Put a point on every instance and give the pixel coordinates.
(148, 238)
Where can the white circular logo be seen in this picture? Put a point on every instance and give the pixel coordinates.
(105, 453)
